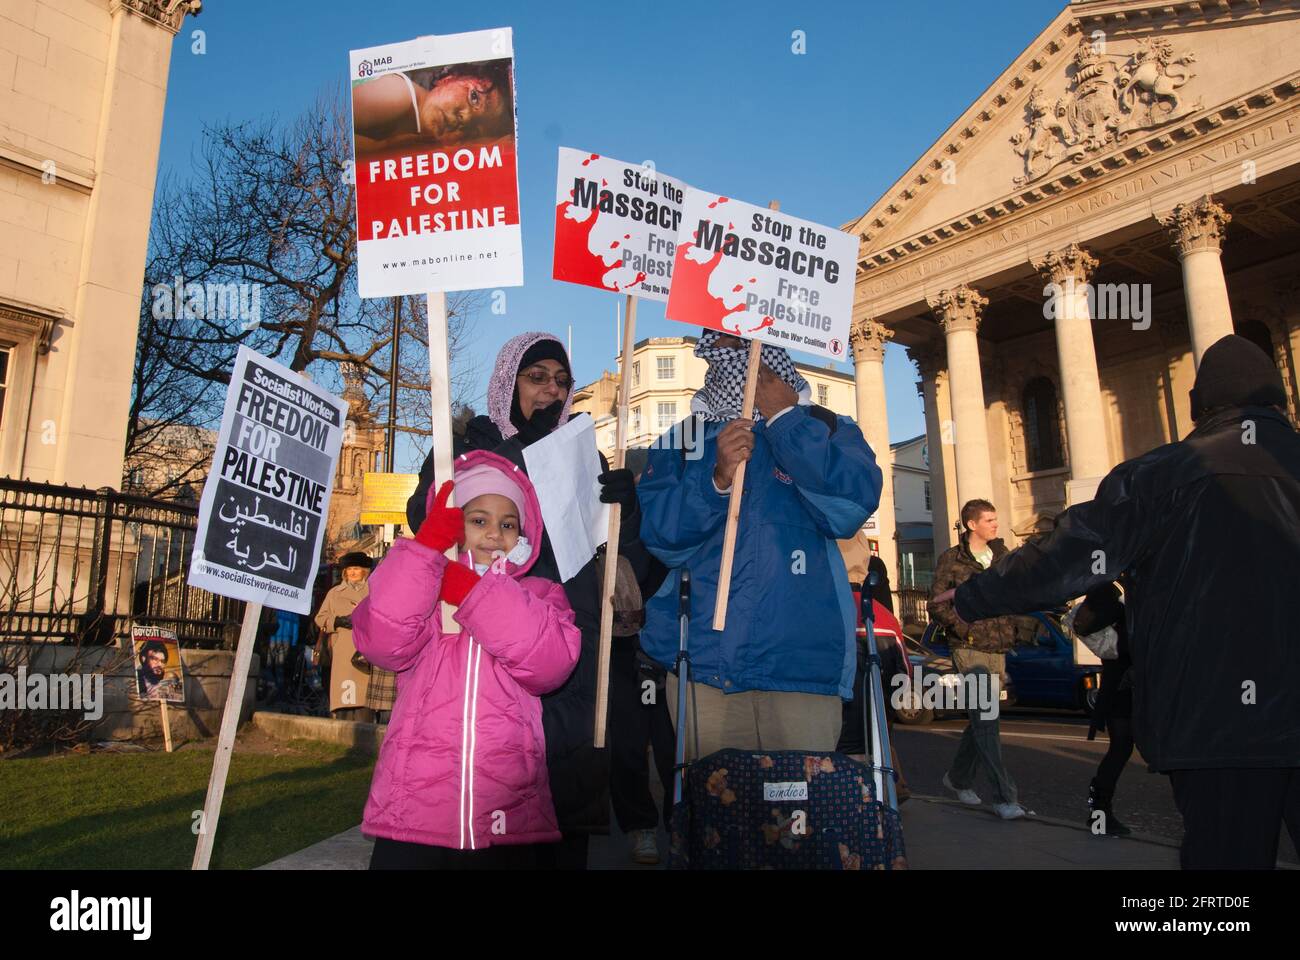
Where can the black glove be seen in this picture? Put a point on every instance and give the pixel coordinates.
(342, 623)
(618, 486)
(541, 423)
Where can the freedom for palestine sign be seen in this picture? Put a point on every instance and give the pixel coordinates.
(262, 516)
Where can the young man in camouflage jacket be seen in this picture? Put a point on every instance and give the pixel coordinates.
(978, 648)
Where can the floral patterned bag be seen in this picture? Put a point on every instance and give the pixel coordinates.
(783, 810)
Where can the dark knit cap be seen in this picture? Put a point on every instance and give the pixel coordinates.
(541, 350)
(355, 559)
(545, 350)
(1236, 373)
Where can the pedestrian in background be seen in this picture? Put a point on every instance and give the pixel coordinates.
(348, 681)
(1100, 621)
(978, 649)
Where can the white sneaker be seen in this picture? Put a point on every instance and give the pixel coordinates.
(644, 848)
(968, 797)
(1009, 811)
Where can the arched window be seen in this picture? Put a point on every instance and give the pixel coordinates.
(1042, 425)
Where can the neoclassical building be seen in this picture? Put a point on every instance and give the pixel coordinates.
(1124, 194)
(82, 89)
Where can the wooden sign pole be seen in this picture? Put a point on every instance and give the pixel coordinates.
(226, 737)
(167, 727)
(440, 396)
(737, 484)
(615, 519)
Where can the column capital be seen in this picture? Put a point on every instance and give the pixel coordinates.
(958, 308)
(1198, 225)
(928, 357)
(868, 337)
(167, 14)
(1072, 261)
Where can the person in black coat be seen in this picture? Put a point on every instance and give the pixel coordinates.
(1113, 711)
(529, 395)
(1206, 531)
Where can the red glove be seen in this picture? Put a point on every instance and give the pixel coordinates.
(457, 581)
(443, 525)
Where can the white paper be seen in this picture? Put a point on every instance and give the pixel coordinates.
(563, 469)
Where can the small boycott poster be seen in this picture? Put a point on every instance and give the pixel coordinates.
(158, 672)
(264, 505)
(616, 224)
(384, 496)
(436, 164)
(763, 274)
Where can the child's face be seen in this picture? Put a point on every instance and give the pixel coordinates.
(491, 524)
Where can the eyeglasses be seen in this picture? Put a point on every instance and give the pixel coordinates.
(540, 378)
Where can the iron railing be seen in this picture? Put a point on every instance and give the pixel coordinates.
(82, 565)
(912, 605)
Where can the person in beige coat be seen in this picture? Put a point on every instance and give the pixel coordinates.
(348, 683)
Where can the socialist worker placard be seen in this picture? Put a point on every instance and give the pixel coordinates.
(267, 497)
(436, 172)
(763, 274)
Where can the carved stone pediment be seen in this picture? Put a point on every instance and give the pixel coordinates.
(1109, 96)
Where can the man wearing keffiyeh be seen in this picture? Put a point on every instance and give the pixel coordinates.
(773, 679)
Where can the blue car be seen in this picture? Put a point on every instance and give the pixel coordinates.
(1042, 673)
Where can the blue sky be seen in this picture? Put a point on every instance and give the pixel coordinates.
(710, 92)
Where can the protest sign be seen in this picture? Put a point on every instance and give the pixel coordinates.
(762, 274)
(262, 516)
(616, 224)
(261, 522)
(384, 496)
(436, 165)
(158, 674)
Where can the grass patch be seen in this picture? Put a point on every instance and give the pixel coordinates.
(135, 810)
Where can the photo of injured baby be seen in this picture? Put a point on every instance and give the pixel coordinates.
(444, 106)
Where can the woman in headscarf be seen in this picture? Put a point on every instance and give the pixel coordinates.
(529, 395)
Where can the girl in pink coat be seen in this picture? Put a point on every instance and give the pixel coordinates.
(461, 781)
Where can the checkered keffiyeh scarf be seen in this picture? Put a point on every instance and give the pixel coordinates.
(723, 395)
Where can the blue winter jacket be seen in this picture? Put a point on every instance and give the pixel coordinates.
(790, 616)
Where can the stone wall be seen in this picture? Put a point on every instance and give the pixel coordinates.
(207, 681)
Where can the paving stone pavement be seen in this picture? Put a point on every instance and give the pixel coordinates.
(939, 834)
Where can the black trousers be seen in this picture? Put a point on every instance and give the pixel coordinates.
(635, 725)
(1232, 817)
(1120, 728)
(400, 855)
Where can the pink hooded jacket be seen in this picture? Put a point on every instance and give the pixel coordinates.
(463, 763)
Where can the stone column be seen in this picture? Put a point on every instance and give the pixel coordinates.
(928, 360)
(958, 312)
(868, 339)
(99, 346)
(1197, 231)
(1067, 272)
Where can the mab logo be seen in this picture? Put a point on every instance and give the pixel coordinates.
(366, 68)
(783, 477)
